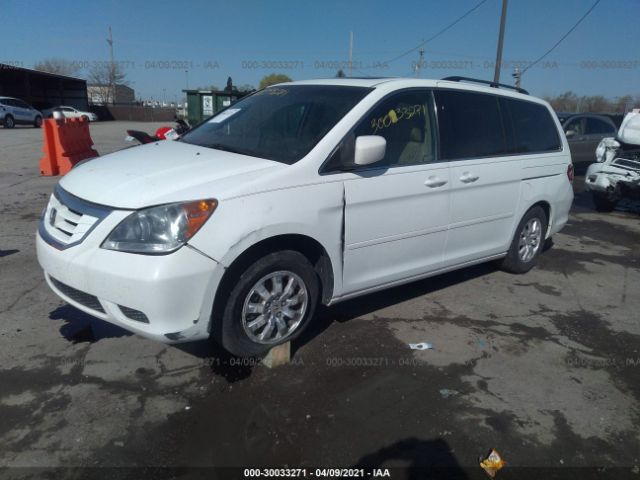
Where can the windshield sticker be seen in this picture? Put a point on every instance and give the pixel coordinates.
(224, 115)
(393, 116)
(274, 91)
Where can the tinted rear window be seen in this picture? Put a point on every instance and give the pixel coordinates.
(470, 125)
(534, 130)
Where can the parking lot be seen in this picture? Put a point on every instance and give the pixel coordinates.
(544, 367)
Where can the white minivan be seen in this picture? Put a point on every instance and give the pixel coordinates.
(305, 193)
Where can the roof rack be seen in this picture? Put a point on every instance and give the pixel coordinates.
(486, 82)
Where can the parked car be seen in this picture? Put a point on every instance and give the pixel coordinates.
(14, 111)
(70, 112)
(305, 193)
(616, 172)
(584, 132)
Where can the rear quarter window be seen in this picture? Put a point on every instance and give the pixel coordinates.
(534, 130)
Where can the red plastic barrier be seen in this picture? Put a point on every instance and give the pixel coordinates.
(66, 142)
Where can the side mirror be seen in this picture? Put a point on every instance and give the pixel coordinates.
(570, 133)
(369, 149)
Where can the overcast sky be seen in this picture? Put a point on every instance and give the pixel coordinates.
(157, 41)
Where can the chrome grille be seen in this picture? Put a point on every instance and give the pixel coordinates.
(83, 298)
(67, 219)
(627, 164)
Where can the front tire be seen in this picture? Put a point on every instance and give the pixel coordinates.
(605, 202)
(270, 303)
(9, 122)
(37, 122)
(527, 242)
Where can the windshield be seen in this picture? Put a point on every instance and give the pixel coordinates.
(281, 123)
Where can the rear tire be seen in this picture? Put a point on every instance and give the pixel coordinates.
(527, 242)
(9, 122)
(605, 202)
(37, 122)
(260, 295)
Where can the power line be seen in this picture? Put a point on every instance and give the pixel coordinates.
(563, 37)
(462, 17)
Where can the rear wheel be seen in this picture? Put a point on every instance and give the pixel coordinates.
(270, 303)
(37, 122)
(9, 122)
(527, 242)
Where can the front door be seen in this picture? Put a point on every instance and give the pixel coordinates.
(396, 211)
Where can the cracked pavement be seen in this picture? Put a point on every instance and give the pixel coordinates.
(545, 367)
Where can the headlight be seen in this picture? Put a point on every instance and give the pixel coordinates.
(606, 149)
(161, 229)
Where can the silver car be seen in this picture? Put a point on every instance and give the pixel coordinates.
(584, 132)
(14, 111)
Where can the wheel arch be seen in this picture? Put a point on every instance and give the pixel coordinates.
(313, 250)
(546, 207)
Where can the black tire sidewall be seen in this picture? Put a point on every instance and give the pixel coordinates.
(512, 261)
(6, 121)
(37, 122)
(233, 337)
(605, 202)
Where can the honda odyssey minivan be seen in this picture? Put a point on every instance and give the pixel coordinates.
(301, 194)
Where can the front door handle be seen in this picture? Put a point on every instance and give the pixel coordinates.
(468, 177)
(434, 182)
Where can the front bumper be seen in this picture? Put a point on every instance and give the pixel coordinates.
(604, 177)
(167, 298)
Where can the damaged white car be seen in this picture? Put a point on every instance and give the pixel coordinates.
(616, 173)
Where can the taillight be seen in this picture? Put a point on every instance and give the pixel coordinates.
(570, 172)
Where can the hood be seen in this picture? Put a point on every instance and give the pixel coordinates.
(630, 128)
(156, 173)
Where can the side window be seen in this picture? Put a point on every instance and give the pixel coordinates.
(576, 125)
(406, 122)
(534, 130)
(596, 126)
(21, 104)
(470, 125)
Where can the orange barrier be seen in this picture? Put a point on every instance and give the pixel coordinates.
(66, 142)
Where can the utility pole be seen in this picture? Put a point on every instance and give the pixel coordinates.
(420, 62)
(350, 52)
(503, 17)
(112, 68)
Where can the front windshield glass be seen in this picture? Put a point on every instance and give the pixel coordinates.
(281, 123)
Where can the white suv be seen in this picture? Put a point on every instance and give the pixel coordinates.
(305, 193)
(14, 111)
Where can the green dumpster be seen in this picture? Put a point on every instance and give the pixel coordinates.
(201, 104)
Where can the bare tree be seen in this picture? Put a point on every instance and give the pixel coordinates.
(570, 102)
(58, 66)
(103, 79)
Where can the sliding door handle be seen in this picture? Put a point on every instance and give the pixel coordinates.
(468, 177)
